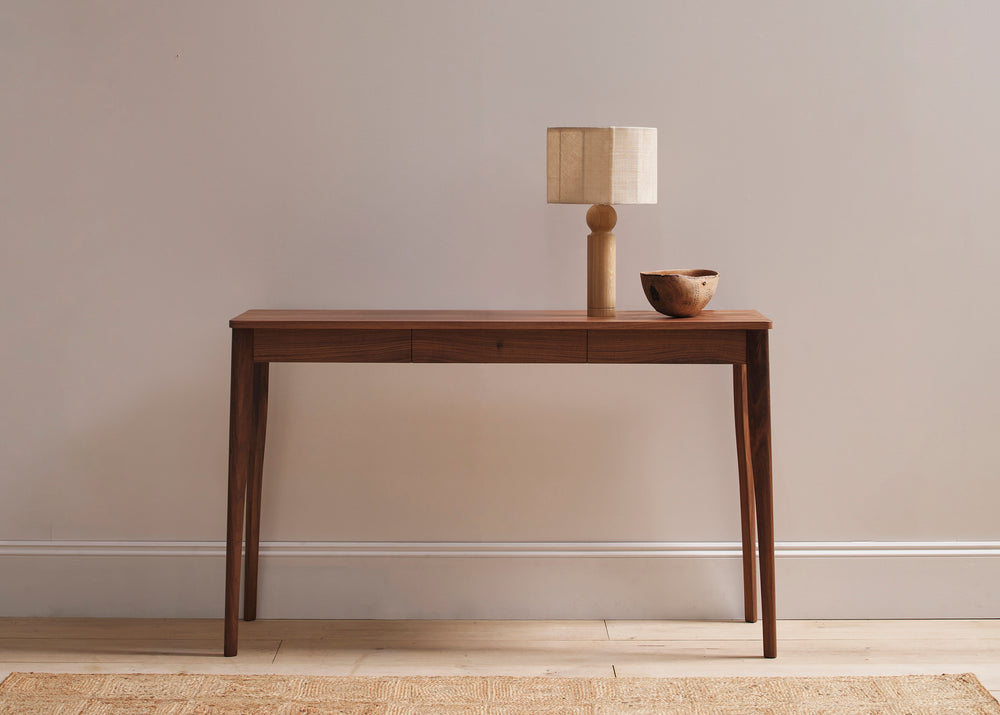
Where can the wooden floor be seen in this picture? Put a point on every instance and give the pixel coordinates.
(558, 648)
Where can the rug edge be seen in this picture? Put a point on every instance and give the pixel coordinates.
(970, 679)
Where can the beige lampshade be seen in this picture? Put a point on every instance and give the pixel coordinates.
(602, 165)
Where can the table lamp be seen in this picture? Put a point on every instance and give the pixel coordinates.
(601, 166)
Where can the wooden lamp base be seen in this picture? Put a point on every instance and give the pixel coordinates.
(601, 218)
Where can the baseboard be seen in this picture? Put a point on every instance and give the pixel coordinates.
(864, 579)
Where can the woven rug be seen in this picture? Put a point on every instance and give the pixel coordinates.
(311, 695)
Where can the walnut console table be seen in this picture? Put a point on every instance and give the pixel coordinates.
(730, 337)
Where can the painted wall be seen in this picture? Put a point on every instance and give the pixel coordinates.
(164, 166)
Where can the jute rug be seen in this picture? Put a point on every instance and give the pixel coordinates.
(249, 694)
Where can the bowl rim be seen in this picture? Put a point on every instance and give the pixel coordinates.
(683, 273)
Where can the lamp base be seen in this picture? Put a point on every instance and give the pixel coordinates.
(601, 312)
(601, 218)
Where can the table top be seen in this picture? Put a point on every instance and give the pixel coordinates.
(505, 319)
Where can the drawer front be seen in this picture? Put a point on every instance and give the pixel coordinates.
(331, 345)
(661, 346)
(514, 346)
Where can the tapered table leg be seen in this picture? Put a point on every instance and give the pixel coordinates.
(260, 377)
(746, 494)
(759, 413)
(240, 446)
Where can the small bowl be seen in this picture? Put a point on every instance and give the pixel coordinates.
(679, 293)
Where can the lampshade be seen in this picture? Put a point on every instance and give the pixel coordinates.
(601, 165)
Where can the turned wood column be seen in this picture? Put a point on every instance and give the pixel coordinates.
(601, 261)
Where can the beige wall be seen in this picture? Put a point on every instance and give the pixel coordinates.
(164, 166)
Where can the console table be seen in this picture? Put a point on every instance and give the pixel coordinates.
(730, 337)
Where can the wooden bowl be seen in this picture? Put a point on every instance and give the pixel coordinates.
(679, 293)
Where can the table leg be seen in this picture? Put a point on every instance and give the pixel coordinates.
(746, 494)
(240, 445)
(759, 413)
(260, 374)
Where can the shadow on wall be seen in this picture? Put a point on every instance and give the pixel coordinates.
(499, 453)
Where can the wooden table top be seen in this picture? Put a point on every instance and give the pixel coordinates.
(505, 319)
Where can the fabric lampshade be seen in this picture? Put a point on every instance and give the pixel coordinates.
(601, 165)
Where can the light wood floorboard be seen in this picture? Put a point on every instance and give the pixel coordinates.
(191, 628)
(560, 648)
(805, 630)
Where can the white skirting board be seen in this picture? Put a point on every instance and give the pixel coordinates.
(620, 580)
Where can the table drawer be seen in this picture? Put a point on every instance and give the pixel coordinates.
(515, 346)
(331, 345)
(661, 346)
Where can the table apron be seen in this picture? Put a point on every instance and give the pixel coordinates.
(499, 345)
(679, 346)
(340, 345)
